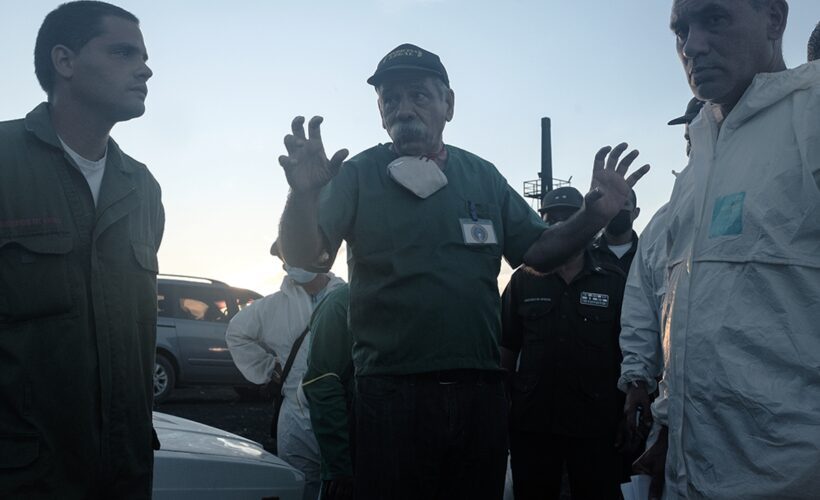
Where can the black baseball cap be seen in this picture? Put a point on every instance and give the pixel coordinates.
(409, 57)
(562, 197)
(692, 110)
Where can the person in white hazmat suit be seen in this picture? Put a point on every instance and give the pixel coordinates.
(640, 339)
(740, 315)
(641, 344)
(260, 338)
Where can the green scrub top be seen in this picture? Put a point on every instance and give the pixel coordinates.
(421, 298)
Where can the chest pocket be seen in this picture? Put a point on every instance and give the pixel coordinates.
(34, 276)
(598, 330)
(146, 256)
(534, 314)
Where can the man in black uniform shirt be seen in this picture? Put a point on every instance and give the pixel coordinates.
(560, 342)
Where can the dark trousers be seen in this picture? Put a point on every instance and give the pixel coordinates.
(538, 461)
(431, 436)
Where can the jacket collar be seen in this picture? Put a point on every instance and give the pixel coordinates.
(38, 122)
(766, 90)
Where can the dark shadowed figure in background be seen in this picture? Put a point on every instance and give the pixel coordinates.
(559, 342)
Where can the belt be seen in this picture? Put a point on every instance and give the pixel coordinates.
(460, 376)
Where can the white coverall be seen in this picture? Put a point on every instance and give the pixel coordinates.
(741, 318)
(264, 333)
(641, 311)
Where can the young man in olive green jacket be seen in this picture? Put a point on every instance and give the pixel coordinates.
(80, 225)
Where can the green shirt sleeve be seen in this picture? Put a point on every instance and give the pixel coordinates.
(337, 208)
(522, 226)
(328, 383)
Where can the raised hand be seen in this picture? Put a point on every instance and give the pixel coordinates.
(609, 190)
(306, 166)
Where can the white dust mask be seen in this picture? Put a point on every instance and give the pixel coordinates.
(419, 175)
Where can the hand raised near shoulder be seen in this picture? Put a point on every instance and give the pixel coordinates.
(306, 166)
(610, 190)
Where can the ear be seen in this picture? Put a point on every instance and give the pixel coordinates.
(62, 58)
(450, 98)
(636, 213)
(381, 111)
(778, 12)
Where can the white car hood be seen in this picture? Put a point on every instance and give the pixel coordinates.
(199, 462)
(180, 435)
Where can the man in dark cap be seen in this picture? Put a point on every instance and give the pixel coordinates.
(692, 110)
(426, 226)
(560, 343)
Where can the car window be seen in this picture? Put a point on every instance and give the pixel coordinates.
(162, 305)
(241, 299)
(243, 302)
(200, 304)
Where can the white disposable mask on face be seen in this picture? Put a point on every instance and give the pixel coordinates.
(419, 175)
(299, 275)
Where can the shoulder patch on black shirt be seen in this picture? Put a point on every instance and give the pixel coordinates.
(594, 299)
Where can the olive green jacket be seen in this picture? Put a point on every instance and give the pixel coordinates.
(77, 319)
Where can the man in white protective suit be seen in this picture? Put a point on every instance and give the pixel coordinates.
(741, 310)
(261, 338)
(640, 339)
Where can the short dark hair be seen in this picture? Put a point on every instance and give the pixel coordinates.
(814, 44)
(71, 24)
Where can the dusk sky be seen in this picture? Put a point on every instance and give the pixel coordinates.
(230, 75)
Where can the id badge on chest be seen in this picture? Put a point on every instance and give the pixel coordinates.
(478, 232)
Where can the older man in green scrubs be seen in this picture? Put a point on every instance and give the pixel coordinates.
(426, 226)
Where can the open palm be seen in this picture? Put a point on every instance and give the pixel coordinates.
(610, 190)
(306, 165)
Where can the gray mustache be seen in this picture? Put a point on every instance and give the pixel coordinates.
(408, 130)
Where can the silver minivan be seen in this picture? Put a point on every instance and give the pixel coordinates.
(193, 314)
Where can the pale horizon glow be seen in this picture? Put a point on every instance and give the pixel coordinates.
(230, 76)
